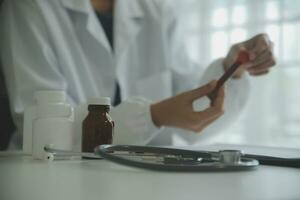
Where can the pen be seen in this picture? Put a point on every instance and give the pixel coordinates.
(243, 57)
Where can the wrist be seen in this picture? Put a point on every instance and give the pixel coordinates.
(155, 115)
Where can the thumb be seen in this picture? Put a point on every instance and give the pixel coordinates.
(202, 91)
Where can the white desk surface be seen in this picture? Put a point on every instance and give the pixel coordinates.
(22, 178)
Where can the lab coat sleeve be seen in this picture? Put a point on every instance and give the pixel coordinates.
(133, 123)
(29, 62)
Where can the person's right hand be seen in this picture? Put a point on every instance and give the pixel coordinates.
(178, 111)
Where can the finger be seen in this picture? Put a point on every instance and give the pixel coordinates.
(201, 91)
(258, 43)
(207, 122)
(250, 43)
(259, 70)
(199, 120)
(260, 73)
(199, 127)
(217, 106)
(262, 67)
(208, 114)
(258, 39)
(263, 57)
(236, 49)
(260, 46)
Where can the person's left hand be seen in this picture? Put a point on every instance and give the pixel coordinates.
(260, 49)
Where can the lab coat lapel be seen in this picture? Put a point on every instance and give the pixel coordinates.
(96, 30)
(129, 17)
(92, 23)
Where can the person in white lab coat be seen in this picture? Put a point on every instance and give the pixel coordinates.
(61, 45)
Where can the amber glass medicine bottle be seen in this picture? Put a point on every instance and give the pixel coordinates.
(97, 127)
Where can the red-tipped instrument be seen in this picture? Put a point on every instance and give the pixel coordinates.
(243, 57)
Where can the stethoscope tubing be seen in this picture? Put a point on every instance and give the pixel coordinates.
(105, 151)
(186, 163)
(275, 161)
(208, 155)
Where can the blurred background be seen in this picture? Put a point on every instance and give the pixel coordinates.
(272, 117)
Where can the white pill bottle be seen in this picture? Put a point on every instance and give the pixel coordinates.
(49, 122)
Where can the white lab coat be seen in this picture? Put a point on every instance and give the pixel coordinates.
(60, 44)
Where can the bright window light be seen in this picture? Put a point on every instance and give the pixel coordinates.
(237, 35)
(273, 32)
(272, 10)
(239, 15)
(219, 43)
(291, 81)
(289, 39)
(220, 17)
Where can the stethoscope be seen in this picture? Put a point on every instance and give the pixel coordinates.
(172, 159)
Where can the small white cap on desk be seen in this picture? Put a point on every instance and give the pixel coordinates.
(99, 101)
(49, 156)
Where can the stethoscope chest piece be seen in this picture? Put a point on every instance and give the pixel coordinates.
(234, 160)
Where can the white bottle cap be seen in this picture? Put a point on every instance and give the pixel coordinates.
(50, 96)
(99, 101)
